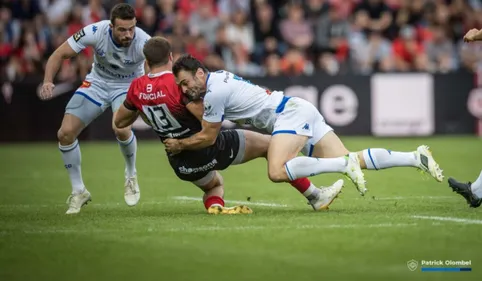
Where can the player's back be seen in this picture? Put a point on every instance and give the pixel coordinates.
(160, 99)
(243, 101)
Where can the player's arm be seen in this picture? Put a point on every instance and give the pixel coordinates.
(213, 114)
(196, 108)
(127, 113)
(83, 38)
(70, 48)
(55, 60)
(203, 139)
(473, 35)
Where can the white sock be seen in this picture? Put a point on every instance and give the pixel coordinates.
(72, 159)
(303, 166)
(129, 149)
(380, 158)
(477, 186)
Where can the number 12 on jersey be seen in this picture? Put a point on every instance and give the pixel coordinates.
(160, 118)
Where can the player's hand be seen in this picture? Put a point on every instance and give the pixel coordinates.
(173, 146)
(47, 90)
(470, 35)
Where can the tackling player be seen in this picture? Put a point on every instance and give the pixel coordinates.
(295, 124)
(159, 100)
(118, 60)
(472, 192)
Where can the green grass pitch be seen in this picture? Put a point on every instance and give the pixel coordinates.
(168, 236)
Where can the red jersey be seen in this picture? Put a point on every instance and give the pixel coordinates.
(160, 99)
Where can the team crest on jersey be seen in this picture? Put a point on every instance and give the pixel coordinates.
(100, 53)
(207, 108)
(78, 35)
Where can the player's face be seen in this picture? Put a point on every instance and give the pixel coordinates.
(123, 31)
(192, 85)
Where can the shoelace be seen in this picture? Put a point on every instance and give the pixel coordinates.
(130, 185)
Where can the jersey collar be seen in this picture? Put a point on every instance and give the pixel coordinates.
(207, 79)
(153, 75)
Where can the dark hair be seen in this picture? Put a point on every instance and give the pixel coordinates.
(122, 11)
(157, 51)
(189, 63)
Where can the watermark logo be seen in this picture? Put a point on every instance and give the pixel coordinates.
(412, 265)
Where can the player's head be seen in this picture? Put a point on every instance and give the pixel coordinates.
(191, 75)
(123, 24)
(157, 52)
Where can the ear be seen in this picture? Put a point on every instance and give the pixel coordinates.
(171, 58)
(111, 26)
(200, 72)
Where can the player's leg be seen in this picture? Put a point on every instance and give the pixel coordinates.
(330, 146)
(254, 145)
(472, 192)
(282, 161)
(81, 110)
(128, 146)
(213, 186)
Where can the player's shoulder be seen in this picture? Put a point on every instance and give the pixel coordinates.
(98, 28)
(141, 35)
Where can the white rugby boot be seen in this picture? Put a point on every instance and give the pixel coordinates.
(76, 201)
(354, 172)
(325, 196)
(427, 164)
(132, 193)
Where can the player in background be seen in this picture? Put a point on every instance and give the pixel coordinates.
(295, 125)
(472, 192)
(159, 100)
(118, 60)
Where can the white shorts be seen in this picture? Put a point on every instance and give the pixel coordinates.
(300, 117)
(93, 97)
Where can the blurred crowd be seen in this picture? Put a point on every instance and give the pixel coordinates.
(259, 37)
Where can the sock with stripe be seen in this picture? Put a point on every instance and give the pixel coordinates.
(72, 160)
(380, 158)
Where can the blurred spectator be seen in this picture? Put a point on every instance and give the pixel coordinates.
(294, 63)
(295, 29)
(331, 38)
(203, 22)
(373, 15)
(266, 33)
(440, 51)
(409, 53)
(148, 20)
(374, 54)
(240, 31)
(314, 9)
(258, 37)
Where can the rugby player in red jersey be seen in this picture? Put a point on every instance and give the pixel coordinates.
(171, 114)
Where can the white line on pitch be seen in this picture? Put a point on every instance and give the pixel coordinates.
(186, 198)
(461, 220)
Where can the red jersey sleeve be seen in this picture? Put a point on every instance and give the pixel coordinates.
(130, 101)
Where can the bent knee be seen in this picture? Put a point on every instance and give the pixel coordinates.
(278, 174)
(123, 133)
(66, 136)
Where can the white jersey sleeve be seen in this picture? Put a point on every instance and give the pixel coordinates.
(143, 36)
(85, 37)
(215, 101)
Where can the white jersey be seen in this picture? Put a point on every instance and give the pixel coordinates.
(112, 63)
(230, 97)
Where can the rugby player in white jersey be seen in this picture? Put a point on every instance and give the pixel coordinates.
(295, 125)
(472, 192)
(118, 59)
